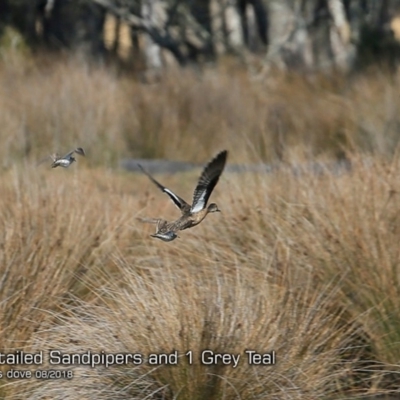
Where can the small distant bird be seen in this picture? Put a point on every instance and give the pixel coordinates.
(193, 214)
(65, 161)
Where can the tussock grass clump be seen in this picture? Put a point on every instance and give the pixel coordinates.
(353, 230)
(342, 229)
(54, 227)
(212, 308)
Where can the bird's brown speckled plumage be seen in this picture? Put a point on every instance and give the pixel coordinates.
(193, 214)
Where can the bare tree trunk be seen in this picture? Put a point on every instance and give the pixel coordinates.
(226, 26)
(280, 30)
(309, 34)
(320, 32)
(289, 42)
(250, 19)
(233, 27)
(152, 13)
(253, 16)
(340, 38)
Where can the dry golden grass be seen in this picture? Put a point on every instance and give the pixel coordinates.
(48, 105)
(303, 264)
(306, 267)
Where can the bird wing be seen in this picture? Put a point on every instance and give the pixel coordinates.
(207, 181)
(178, 201)
(53, 157)
(161, 223)
(80, 151)
(149, 220)
(68, 155)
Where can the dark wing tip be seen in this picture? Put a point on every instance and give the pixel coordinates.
(222, 154)
(208, 180)
(80, 151)
(216, 165)
(218, 162)
(150, 177)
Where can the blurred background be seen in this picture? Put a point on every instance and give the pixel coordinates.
(313, 35)
(176, 79)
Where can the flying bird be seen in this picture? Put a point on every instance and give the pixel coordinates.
(66, 160)
(193, 214)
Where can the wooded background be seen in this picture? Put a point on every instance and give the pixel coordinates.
(305, 35)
